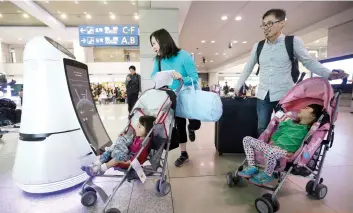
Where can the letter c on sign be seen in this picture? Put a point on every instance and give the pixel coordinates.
(125, 30)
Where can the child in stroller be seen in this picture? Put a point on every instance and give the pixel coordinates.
(123, 151)
(284, 143)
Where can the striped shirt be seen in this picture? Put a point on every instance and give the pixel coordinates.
(276, 68)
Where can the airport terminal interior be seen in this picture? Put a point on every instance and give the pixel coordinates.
(65, 68)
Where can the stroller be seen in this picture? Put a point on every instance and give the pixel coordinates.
(309, 158)
(160, 103)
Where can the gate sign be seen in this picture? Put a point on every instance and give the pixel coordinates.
(109, 35)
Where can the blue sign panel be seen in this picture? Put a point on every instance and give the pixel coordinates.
(109, 35)
(88, 41)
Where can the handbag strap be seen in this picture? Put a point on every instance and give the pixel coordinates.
(159, 65)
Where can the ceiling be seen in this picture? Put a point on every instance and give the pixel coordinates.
(73, 13)
(11, 15)
(210, 27)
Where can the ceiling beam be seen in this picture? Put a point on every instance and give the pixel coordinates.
(39, 13)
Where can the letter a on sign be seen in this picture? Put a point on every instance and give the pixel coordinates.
(124, 40)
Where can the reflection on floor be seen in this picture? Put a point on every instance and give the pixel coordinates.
(199, 186)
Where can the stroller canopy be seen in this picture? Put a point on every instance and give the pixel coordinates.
(310, 91)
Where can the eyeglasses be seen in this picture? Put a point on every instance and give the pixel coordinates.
(269, 24)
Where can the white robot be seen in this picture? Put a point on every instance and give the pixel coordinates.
(52, 145)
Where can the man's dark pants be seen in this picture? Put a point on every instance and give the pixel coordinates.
(265, 109)
(131, 100)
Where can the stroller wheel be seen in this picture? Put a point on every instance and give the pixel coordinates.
(229, 177)
(309, 187)
(275, 203)
(263, 205)
(1, 136)
(164, 188)
(89, 198)
(320, 191)
(113, 210)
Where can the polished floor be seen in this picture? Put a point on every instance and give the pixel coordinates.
(198, 186)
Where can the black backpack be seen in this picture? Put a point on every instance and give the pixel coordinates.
(289, 40)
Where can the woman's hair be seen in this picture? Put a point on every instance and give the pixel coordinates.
(317, 111)
(147, 122)
(167, 46)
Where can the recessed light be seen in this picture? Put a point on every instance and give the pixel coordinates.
(224, 53)
(20, 39)
(88, 16)
(63, 16)
(234, 42)
(211, 61)
(59, 12)
(47, 2)
(203, 41)
(0, 15)
(111, 13)
(213, 42)
(25, 15)
(112, 16)
(133, 3)
(217, 53)
(199, 53)
(105, 2)
(244, 42)
(19, 11)
(136, 17)
(238, 18)
(224, 18)
(111, 56)
(76, 2)
(317, 41)
(84, 12)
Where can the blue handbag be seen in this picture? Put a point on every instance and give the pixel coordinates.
(199, 105)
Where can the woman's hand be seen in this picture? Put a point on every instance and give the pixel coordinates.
(176, 75)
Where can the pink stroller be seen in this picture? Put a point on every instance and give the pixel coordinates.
(310, 157)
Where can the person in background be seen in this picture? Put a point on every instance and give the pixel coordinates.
(133, 87)
(276, 66)
(226, 89)
(170, 57)
(20, 93)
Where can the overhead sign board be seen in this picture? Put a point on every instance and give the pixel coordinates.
(109, 35)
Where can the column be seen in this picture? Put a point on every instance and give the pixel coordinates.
(340, 40)
(2, 59)
(83, 54)
(212, 79)
(150, 21)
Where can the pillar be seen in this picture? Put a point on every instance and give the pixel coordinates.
(83, 54)
(2, 58)
(150, 21)
(340, 40)
(212, 78)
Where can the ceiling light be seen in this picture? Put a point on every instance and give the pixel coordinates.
(47, 2)
(111, 13)
(133, 3)
(238, 18)
(84, 12)
(88, 16)
(224, 53)
(224, 18)
(76, 2)
(203, 41)
(19, 11)
(211, 61)
(112, 16)
(317, 41)
(0, 15)
(59, 39)
(136, 17)
(213, 42)
(104, 2)
(217, 53)
(25, 15)
(286, 19)
(199, 53)
(111, 56)
(244, 42)
(63, 16)
(59, 12)
(20, 39)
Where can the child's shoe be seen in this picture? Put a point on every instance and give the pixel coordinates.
(261, 179)
(92, 170)
(248, 172)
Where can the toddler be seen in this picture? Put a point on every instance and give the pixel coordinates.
(123, 150)
(284, 142)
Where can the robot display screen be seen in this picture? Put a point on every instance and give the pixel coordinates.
(82, 99)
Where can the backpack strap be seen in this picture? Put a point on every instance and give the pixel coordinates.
(159, 65)
(289, 41)
(260, 45)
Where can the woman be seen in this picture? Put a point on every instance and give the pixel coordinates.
(170, 57)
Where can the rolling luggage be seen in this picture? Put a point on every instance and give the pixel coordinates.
(239, 119)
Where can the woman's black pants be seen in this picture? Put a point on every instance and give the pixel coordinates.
(181, 128)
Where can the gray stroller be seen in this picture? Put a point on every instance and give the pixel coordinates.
(161, 104)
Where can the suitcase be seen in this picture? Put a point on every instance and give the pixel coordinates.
(18, 114)
(239, 119)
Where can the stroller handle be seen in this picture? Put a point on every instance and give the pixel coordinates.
(181, 83)
(340, 87)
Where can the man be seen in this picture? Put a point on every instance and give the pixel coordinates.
(276, 66)
(226, 89)
(133, 87)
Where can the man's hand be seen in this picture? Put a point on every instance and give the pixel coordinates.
(338, 74)
(128, 78)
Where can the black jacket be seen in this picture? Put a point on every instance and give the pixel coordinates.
(134, 85)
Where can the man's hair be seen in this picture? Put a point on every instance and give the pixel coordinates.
(279, 14)
(167, 46)
(147, 122)
(317, 111)
(132, 67)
